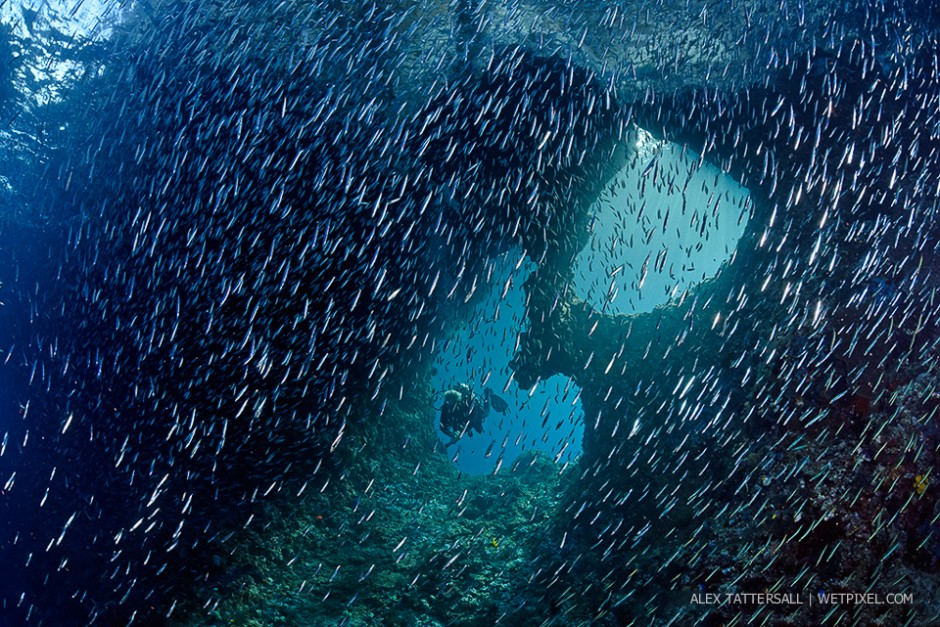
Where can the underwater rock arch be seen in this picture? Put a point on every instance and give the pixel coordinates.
(711, 375)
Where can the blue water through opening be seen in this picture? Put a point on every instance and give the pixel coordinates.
(546, 418)
(667, 221)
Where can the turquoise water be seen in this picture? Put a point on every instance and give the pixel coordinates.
(666, 221)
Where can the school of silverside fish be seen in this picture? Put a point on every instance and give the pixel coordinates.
(234, 236)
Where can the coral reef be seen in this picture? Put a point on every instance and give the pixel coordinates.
(397, 537)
